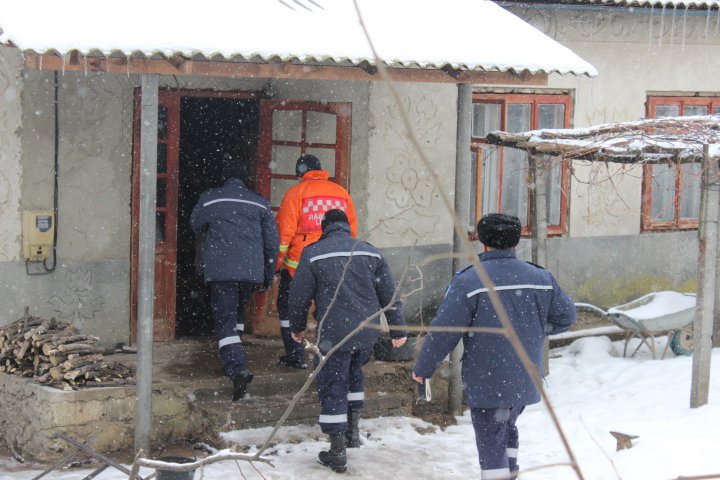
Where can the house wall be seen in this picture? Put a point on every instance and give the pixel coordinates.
(637, 52)
(398, 205)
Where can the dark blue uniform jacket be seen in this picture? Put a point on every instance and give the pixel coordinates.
(242, 240)
(492, 372)
(366, 287)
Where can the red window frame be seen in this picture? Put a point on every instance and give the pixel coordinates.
(677, 223)
(478, 145)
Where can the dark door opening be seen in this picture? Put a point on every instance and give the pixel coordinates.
(212, 131)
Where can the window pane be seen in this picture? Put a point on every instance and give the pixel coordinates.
(287, 125)
(278, 187)
(663, 192)
(667, 111)
(162, 158)
(159, 226)
(490, 179)
(518, 117)
(162, 122)
(695, 110)
(554, 191)
(716, 110)
(472, 214)
(514, 186)
(551, 116)
(321, 127)
(284, 159)
(690, 191)
(326, 157)
(161, 190)
(486, 118)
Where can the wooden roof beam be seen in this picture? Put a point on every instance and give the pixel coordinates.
(181, 66)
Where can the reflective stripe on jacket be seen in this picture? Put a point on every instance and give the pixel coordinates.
(302, 210)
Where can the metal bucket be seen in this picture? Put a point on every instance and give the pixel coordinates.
(170, 475)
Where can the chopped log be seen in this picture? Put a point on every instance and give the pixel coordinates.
(57, 358)
(74, 347)
(57, 372)
(79, 361)
(23, 350)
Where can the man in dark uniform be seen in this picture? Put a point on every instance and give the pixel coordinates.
(497, 386)
(241, 247)
(349, 281)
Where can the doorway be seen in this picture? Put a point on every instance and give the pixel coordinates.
(213, 131)
(197, 132)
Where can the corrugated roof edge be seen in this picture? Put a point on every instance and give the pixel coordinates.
(692, 4)
(310, 60)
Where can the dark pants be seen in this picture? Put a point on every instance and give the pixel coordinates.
(226, 301)
(293, 350)
(341, 385)
(497, 440)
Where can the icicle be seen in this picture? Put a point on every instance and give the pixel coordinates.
(63, 65)
(107, 64)
(672, 27)
(650, 30)
(717, 21)
(662, 26)
(40, 62)
(127, 66)
(85, 65)
(707, 20)
(685, 15)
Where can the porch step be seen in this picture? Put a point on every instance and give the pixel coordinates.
(388, 392)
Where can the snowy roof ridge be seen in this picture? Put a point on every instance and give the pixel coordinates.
(704, 4)
(461, 34)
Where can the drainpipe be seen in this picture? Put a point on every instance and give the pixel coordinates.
(462, 210)
(146, 259)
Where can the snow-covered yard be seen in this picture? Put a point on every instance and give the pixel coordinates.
(594, 390)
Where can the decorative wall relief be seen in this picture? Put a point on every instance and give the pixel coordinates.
(77, 302)
(410, 185)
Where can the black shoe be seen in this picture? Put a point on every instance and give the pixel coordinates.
(335, 458)
(286, 362)
(240, 384)
(352, 434)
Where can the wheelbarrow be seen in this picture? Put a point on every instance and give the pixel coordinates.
(655, 314)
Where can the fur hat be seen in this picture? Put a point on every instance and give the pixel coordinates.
(332, 216)
(499, 231)
(306, 163)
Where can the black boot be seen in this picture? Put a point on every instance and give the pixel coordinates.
(240, 383)
(352, 434)
(335, 458)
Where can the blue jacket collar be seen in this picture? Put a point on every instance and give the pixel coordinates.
(336, 229)
(234, 181)
(495, 254)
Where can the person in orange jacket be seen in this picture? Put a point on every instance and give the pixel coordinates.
(299, 217)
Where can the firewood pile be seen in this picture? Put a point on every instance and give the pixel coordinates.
(54, 353)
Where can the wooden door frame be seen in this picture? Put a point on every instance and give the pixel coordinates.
(173, 96)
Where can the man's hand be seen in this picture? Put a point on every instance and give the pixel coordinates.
(298, 337)
(398, 342)
(418, 378)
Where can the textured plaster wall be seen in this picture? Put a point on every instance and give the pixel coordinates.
(407, 207)
(11, 84)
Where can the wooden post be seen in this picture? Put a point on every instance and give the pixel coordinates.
(707, 260)
(146, 259)
(538, 174)
(462, 210)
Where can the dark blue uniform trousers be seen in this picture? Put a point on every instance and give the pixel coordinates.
(497, 440)
(226, 301)
(341, 385)
(294, 351)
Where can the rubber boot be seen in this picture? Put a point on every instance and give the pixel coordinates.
(335, 458)
(240, 383)
(352, 434)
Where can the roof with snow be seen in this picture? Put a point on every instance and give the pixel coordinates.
(645, 141)
(697, 4)
(461, 34)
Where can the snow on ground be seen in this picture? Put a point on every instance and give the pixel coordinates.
(594, 391)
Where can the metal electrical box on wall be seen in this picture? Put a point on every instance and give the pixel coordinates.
(38, 233)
